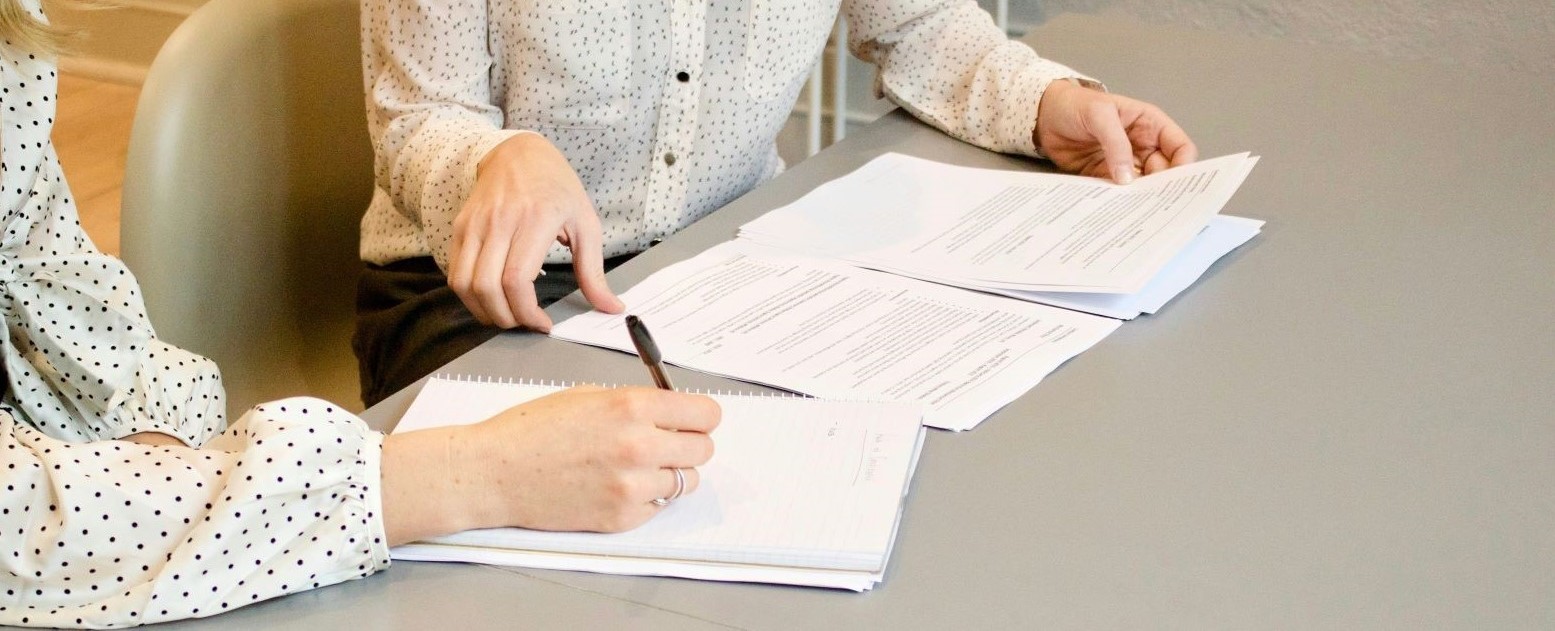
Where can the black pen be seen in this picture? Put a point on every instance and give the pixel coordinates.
(649, 351)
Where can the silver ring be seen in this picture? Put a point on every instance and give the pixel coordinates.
(680, 488)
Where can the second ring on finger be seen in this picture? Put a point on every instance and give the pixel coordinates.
(680, 488)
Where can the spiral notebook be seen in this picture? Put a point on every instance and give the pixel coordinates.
(800, 491)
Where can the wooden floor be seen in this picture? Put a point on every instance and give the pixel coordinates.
(92, 136)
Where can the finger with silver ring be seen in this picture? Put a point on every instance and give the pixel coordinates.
(681, 487)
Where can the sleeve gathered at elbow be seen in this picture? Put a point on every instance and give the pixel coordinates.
(115, 533)
(947, 63)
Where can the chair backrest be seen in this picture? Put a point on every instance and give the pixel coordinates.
(248, 172)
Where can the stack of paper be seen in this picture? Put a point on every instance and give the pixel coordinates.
(799, 491)
(827, 296)
(1076, 242)
(832, 330)
(1223, 234)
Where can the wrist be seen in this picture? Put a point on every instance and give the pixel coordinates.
(1052, 92)
(465, 479)
(429, 485)
(515, 146)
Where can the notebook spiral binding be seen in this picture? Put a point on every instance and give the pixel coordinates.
(553, 383)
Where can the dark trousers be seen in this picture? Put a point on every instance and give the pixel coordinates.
(409, 323)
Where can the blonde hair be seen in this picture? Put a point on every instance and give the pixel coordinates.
(22, 32)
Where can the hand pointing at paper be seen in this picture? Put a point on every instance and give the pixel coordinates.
(525, 198)
(1090, 132)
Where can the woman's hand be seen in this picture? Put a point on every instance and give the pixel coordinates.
(588, 458)
(525, 197)
(1094, 133)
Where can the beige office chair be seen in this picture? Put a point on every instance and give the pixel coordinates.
(249, 168)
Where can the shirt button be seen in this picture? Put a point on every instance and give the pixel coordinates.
(669, 159)
(682, 76)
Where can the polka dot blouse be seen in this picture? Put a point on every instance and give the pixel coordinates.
(96, 532)
(667, 110)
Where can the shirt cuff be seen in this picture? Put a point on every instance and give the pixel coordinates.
(1035, 83)
(372, 496)
(437, 229)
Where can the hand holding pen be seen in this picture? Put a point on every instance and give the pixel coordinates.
(649, 352)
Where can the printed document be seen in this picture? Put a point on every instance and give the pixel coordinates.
(1223, 234)
(824, 328)
(988, 229)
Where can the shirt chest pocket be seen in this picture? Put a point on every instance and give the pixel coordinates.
(568, 64)
(783, 41)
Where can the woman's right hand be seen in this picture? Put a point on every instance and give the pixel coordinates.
(584, 459)
(525, 198)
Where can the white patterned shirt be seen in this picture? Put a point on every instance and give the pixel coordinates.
(666, 110)
(96, 532)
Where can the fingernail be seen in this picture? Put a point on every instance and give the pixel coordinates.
(1122, 175)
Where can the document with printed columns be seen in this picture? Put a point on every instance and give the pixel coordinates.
(831, 330)
(1007, 231)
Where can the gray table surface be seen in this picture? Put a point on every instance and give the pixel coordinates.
(1346, 423)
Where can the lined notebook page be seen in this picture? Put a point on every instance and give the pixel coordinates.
(794, 482)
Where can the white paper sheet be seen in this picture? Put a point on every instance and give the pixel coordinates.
(832, 330)
(989, 229)
(1223, 234)
(855, 581)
